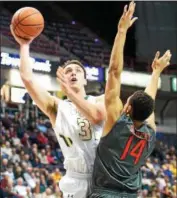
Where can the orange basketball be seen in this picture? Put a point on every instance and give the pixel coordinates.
(27, 22)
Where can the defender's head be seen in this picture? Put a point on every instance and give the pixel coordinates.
(139, 106)
(75, 73)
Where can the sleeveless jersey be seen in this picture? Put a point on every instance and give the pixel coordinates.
(121, 154)
(77, 137)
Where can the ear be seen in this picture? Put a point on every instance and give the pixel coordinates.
(128, 109)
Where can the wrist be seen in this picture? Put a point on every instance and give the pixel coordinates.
(122, 30)
(24, 46)
(156, 73)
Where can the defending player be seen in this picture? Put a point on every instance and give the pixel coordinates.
(77, 124)
(129, 132)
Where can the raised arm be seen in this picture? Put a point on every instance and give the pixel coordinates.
(158, 65)
(42, 98)
(113, 103)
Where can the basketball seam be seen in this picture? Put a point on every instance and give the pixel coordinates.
(25, 32)
(31, 24)
(17, 32)
(19, 21)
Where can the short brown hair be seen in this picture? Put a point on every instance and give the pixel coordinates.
(69, 62)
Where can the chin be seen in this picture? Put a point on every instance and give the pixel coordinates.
(75, 88)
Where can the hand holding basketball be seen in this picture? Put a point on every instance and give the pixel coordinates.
(19, 40)
(27, 23)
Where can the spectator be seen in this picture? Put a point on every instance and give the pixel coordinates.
(20, 188)
(7, 150)
(4, 166)
(43, 157)
(56, 176)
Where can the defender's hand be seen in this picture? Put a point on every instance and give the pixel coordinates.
(62, 81)
(127, 18)
(159, 64)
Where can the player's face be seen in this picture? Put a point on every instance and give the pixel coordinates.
(75, 76)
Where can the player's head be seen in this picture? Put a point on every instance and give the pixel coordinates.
(75, 73)
(140, 106)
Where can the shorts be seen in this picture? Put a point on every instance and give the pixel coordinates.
(102, 193)
(75, 185)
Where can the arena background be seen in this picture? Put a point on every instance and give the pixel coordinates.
(85, 31)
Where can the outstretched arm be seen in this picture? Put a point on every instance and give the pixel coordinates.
(95, 113)
(113, 103)
(158, 65)
(42, 98)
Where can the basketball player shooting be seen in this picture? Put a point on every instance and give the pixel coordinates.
(129, 131)
(77, 121)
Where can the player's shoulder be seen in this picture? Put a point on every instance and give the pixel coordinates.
(152, 126)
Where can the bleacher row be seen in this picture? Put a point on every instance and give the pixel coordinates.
(64, 33)
(69, 36)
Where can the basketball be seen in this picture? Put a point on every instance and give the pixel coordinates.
(27, 22)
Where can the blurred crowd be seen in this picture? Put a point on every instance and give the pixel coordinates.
(160, 173)
(32, 161)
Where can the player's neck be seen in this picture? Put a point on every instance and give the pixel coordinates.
(137, 124)
(81, 93)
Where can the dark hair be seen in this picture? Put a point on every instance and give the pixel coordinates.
(142, 105)
(69, 62)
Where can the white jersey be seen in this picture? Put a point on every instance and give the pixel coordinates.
(78, 138)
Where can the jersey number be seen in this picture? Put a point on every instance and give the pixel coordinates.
(67, 140)
(136, 151)
(85, 126)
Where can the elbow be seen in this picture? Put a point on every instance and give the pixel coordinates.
(115, 70)
(26, 79)
(98, 117)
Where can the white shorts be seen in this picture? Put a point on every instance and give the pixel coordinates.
(75, 185)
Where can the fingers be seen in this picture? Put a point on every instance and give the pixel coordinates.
(168, 63)
(131, 9)
(125, 11)
(162, 62)
(129, 14)
(11, 29)
(62, 85)
(133, 20)
(19, 39)
(60, 81)
(157, 55)
(60, 75)
(12, 32)
(167, 56)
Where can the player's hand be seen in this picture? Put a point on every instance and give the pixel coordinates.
(19, 40)
(127, 18)
(159, 64)
(63, 81)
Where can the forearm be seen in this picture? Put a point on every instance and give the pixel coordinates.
(116, 60)
(25, 63)
(152, 87)
(90, 111)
